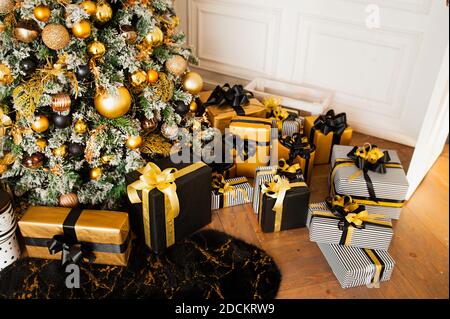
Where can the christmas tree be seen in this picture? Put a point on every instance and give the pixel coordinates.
(82, 85)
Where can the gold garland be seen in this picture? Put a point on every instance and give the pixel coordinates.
(155, 144)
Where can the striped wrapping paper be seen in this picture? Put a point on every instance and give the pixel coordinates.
(263, 174)
(234, 197)
(326, 230)
(290, 127)
(356, 266)
(392, 186)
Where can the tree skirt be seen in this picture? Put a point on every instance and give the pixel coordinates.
(209, 264)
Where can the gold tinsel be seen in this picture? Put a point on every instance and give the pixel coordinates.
(164, 88)
(90, 145)
(156, 145)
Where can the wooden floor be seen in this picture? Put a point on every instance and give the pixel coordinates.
(420, 244)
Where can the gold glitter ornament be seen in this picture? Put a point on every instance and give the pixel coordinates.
(55, 36)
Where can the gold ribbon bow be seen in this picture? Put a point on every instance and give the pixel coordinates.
(273, 108)
(349, 206)
(286, 168)
(272, 103)
(277, 189)
(368, 153)
(153, 178)
(222, 186)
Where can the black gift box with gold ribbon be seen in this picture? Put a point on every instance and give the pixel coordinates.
(283, 205)
(169, 201)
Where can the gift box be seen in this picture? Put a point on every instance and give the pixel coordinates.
(230, 192)
(354, 266)
(326, 131)
(169, 201)
(288, 121)
(342, 221)
(298, 150)
(9, 246)
(76, 234)
(283, 205)
(251, 141)
(266, 174)
(371, 176)
(226, 102)
(227, 170)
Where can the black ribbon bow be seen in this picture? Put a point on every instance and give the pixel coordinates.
(339, 211)
(235, 96)
(365, 165)
(298, 146)
(330, 122)
(72, 252)
(244, 148)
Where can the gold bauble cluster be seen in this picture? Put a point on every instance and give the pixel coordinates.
(55, 36)
(113, 105)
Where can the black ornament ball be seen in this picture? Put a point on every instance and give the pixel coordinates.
(83, 72)
(61, 121)
(28, 66)
(181, 108)
(76, 149)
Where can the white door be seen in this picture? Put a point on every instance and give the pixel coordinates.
(381, 57)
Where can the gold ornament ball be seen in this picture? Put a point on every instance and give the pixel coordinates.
(41, 143)
(61, 102)
(134, 142)
(40, 124)
(152, 76)
(149, 125)
(82, 29)
(89, 6)
(96, 49)
(96, 173)
(177, 65)
(68, 200)
(154, 38)
(104, 13)
(193, 83)
(80, 127)
(26, 31)
(139, 79)
(55, 36)
(193, 107)
(6, 77)
(6, 6)
(60, 151)
(42, 13)
(113, 105)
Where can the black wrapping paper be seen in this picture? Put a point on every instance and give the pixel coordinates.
(194, 194)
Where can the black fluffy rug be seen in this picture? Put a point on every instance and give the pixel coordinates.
(210, 264)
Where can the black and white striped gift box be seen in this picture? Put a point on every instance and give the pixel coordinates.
(354, 266)
(291, 127)
(391, 187)
(9, 245)
(323, 229)
(241, 193)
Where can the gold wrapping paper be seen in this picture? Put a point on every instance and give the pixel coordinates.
(253, 129)
(283, 153)
(94, 226)
(324, 143)
(221, 116)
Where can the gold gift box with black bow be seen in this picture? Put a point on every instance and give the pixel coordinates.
(220, 116)
(300, 151)
(104, 235)
(325, 131)
(252, 141)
